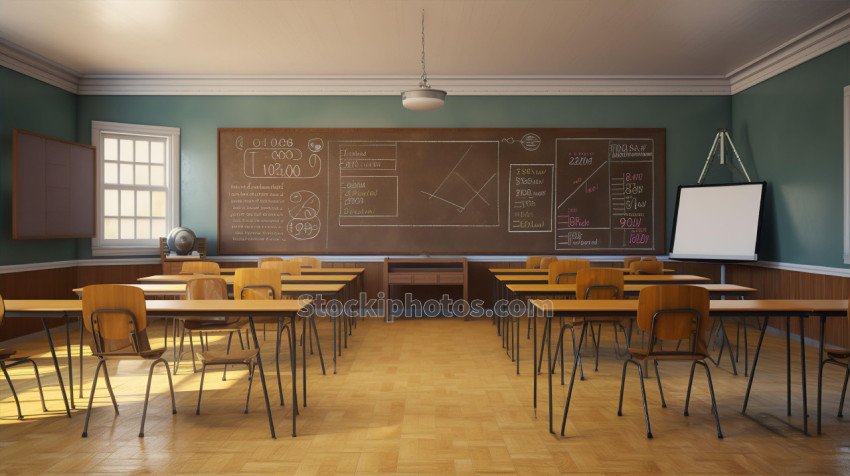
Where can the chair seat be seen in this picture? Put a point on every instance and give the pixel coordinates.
(235, 357)
(220, 324)
(643, 354)
(6, 353)
(838, 354)
(151, 354)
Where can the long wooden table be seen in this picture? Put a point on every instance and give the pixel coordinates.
(769, 308)
(194, 309)
(179, 289)
(546, 271)
(357, 271)
(628, 278)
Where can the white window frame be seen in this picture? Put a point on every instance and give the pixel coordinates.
(847, 175)
(101, 247)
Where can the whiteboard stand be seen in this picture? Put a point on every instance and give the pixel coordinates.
(718, 149)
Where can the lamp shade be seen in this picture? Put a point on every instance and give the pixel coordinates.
(423, 99)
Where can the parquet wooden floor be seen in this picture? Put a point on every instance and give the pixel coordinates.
(425, 396)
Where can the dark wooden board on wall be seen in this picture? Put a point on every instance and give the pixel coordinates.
(441, 191)
(53, 187)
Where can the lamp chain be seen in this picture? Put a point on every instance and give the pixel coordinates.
(423, 80)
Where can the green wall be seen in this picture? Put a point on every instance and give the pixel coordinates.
(789, 131)
(690, 124)
(26, 103)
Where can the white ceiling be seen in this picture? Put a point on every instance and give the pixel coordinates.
(381, 37)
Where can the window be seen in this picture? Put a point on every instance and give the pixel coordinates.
(138, 186)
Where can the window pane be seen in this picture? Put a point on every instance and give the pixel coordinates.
(110, 149)
(110, 229)
(110, 202)
(157, 228)
(158, 204)
(110, 172)
(126, 174)
(143, 229)
(143, 203)
(126, 150)
(128, 229)
(142, 151)
(142, 172)
(158, 152)
(157, 175)
(128, 205)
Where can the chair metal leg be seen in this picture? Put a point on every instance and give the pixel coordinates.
(38, 381)
(109, 387)
(843, 392)
(241, 342)
(690, 384)
(580, 363)
(201, 388)
(598, 341)
(277, 361)
(250, 382)
(315, 333)
(82, 333)
(713, 400)
(192, 348)
(645, 405)
(229, 339)
(179, 356)
(12, 387)
(622, 388)
(660, 389)
(100, 363)
(148, 393)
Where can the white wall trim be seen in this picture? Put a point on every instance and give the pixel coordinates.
(803, 268)
(394, 85)
(814, 42)
(26, 62)
(21, 268)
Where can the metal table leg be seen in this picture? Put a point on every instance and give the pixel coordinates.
(262, 374)
(56, 366)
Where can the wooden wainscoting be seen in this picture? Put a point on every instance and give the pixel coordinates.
(54, 283)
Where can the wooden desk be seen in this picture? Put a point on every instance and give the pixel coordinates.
(628, 278)
(769, 308)
(311, 271)
(195, 309)
(303, 279)
(530, 290)
(166, 290)
(546, 271)
(423, 272)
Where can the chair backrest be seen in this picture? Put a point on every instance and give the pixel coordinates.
(632, 259)
(200, 267)
(673, 312)
(256, 283)
(547, 261)
(533, 262)
(646, 267)
(307, 261)
(116, 316)
(284, 267)
(599, 283)
(564, 271)
(206, 288)
(2, 312)
(265, 259)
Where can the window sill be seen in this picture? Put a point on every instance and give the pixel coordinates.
(125, 251)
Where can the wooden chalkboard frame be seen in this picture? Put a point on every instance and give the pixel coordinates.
(658, 135)
(22, 196)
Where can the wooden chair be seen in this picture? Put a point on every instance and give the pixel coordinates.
(628, 261)
(308, 261)
(209, 288)
(533, 262)
(265, 259)
(116, 317)
(646, 267)
(264, 283)
(565, 271)
(546, 261)
(200, 267)
(840, 358)
(289, 267)
(7, 362)
(672, 313)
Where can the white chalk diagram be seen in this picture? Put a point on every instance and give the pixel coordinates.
(304, 223)
(462, 186)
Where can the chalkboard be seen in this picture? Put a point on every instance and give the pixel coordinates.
(441, 191)
(52, 188)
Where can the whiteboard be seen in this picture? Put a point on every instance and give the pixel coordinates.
(717, 222)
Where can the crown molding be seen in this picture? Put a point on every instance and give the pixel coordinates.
(26, 62)
(814, 42)
(394, 85)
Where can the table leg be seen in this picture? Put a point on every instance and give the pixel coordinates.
(728, 346)
(82, 333)
(820, 368)
(518, 335)
(333, 348)
(70, 358)
(262, 374)
(304, 328)
(788, 362)
(755, 363)
(803, 371)
(56, 366)
(534, 359)
(549, 366)
(293, 345)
